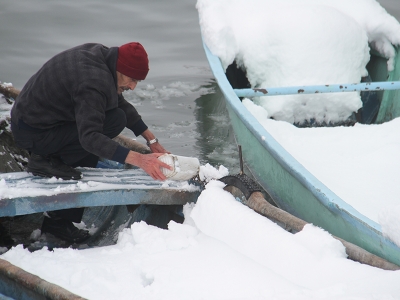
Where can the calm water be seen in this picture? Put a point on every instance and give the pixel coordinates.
(179, 100)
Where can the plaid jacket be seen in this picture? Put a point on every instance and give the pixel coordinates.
(78, 85)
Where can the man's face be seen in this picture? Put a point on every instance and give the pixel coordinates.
(125, 83)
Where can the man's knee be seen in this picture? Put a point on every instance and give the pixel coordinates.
(114, 123)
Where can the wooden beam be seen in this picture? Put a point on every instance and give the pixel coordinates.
(9, 91)
(258, 203)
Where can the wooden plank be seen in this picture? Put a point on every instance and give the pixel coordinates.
(22, 193)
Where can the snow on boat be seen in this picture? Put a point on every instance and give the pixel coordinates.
(305, 45)
(289, 183)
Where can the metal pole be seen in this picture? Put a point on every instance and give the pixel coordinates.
(315, 89)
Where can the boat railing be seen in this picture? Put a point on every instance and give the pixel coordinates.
(315, 89)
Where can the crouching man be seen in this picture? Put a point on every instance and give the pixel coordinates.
(68, 113)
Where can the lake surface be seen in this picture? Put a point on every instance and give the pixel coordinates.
(179, 100)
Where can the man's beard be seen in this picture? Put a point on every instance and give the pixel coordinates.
(122, 89)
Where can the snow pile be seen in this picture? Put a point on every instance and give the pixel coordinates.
(382, 29)
(390, 222)
(224, 250)
(293, 43)
(208, 172)
(206, 217)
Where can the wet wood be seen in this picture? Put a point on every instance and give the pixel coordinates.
(24, 285)
(9, 91)
(290, 222)
(132, 144)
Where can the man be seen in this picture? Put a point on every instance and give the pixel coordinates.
(68, 113)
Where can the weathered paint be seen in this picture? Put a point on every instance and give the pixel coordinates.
(312, 89)
(390, 104)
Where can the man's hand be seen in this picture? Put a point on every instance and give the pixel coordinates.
(149, 163)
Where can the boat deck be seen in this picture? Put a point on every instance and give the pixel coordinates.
(22, 193)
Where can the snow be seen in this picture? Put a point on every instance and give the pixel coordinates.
(294, 43)
(224, 250)
(354, 158)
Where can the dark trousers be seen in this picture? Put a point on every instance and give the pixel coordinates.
(63, 141)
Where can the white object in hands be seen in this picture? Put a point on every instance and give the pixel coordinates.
(183, 168)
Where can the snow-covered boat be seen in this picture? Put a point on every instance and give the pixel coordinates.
(291, 186)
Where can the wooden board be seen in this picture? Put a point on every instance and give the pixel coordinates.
(22, 193)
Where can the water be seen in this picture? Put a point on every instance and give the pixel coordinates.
(34, 30)
(179, 100)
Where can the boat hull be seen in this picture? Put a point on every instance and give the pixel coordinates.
(291, 186)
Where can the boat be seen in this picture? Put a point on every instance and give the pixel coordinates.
(290, 185)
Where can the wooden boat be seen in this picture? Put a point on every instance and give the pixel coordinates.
(291, 186)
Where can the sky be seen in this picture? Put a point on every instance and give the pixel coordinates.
(224, 250)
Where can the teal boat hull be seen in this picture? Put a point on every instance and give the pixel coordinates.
(293, 187)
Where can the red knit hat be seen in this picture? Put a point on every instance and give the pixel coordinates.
(132, 61)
